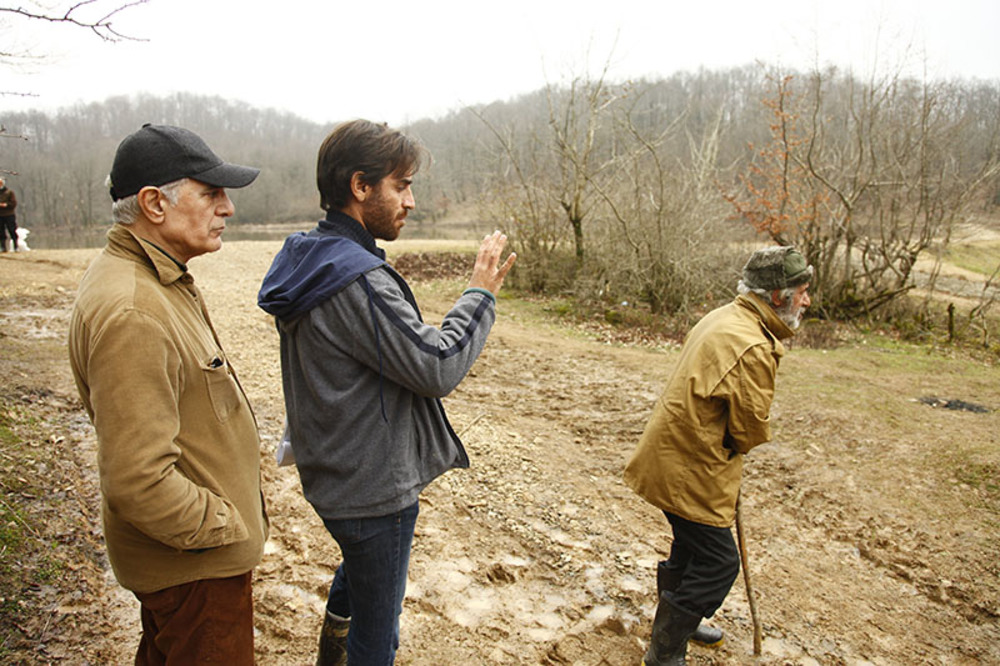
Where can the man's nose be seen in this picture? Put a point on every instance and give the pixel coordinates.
(226, 208)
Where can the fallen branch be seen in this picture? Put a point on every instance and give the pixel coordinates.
(21, 520)
(471, 423)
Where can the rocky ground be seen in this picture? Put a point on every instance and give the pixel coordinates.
(872, 519)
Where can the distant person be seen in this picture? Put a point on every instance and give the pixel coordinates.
(8, 217)
(178, 449)
(363, 376)
(716, 407)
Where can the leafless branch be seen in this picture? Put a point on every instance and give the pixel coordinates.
(6, 135)
(103, 27)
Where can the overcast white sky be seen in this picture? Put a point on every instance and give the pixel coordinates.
(330, 60)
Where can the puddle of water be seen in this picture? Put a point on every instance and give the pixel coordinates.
(631, 584)
(549, 620)
(540, 635)
(456, 580)
(515, 561)
(599, 614)
(297, 597)
(771, 646)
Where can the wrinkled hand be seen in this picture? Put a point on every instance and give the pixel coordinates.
(488, 273)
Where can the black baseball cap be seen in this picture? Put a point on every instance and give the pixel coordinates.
(160, 154)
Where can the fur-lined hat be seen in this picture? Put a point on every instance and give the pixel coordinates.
(776, 268)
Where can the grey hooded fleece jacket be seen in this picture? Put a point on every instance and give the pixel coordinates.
(363, 374)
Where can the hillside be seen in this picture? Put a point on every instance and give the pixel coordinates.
(873, 519)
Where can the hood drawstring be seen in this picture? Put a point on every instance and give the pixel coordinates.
(378, 347)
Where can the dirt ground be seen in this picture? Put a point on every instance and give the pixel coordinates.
(872, 519)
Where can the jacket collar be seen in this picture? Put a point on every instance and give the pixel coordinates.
(123, 242)
(342, 224)
(769, 318)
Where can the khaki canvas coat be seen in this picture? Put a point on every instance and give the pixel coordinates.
(178, 448)
(715, 408)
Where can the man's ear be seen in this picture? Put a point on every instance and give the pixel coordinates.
(359, 188)
(776, 298)
(150, 201)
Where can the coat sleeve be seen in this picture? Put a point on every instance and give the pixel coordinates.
(135, 379)
(387, 335)
(750, 390)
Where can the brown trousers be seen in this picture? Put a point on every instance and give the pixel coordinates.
(203, 622)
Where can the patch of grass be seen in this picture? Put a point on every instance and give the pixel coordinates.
(9, 609)
(948, 364)
(21, 563)
(11, 539)
(7, 436)
(49, 568)
(562, 308)
(615, 322)
(976, 257)
(404, 245)
(984, 477)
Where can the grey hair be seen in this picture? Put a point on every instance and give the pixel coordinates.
(126, 210)
(785, 293)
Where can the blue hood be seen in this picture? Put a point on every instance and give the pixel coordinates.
(309, 269)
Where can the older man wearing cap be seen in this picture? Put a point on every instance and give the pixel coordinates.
(178, 449)
(690, 458)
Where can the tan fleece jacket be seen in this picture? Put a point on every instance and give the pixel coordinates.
(179, 454)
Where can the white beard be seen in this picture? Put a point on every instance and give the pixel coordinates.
(790, 314)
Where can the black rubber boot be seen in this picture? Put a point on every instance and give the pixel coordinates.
(667, 580)
(333, 641)
(672, 627)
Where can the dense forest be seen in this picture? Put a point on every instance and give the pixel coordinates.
(632, 190)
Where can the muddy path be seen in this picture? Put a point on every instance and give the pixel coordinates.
(867, 545)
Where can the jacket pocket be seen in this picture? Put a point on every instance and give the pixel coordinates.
(222, 389)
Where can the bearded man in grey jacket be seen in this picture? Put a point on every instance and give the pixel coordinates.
(363, 376)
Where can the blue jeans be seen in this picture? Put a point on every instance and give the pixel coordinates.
(370, 583)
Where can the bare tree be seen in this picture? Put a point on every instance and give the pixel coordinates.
(554, 167)
(866, 183)
(519, 196)
(978, 315)
(666, 242)
(65, 163)
(93, 15)
(577, 117)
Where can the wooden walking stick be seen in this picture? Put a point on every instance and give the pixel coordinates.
(746, 578)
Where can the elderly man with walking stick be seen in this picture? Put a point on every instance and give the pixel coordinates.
(716, 407)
